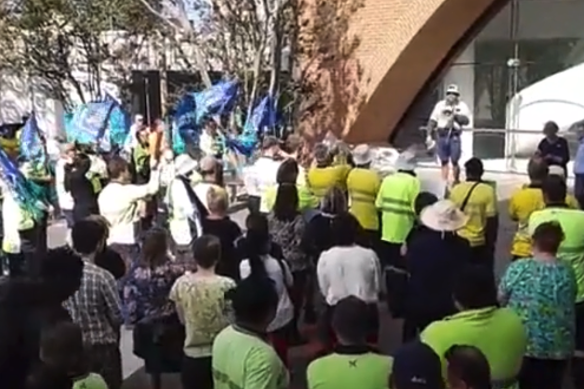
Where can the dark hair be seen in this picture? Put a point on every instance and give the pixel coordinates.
(469, 365)
(334, 201)
(82, 161)
(286, 204)
(345, 229)
(474, 168)
(474, 287)
(423, 200)
(254, 300)
(537, 169)
(257, 243)
(86, 236)
(207, 251)
(554, 189)
(287, 172)
(154, 248)
(548, 237)
(551, 126)
(349, 319)
(117, 166)
(62, 348)
(61, 272)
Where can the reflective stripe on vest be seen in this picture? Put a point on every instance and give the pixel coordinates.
(396, 206)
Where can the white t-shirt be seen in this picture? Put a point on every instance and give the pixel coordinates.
(118, 204)
(285, 311)
(441, 118)
(181, 210)
(349, 271)
(65, 200)
(11, 215)
(262, 175)
(201, 189)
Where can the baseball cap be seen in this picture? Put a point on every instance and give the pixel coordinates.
(416, 366)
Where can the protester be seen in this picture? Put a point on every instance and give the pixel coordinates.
(554, 149)
(105, 257)
(348, 269)
(186, 209)
(242, 355)
(261, 265)
(158, 333)
(353, 363)
(434, 256)
(219, 224)
(262, 174)
(80, 187)
(395, 201)
(542, 290)
(497, 332)
(415, 365)
(27, 305)
(208, 168)
(363, 184)
(64, 361)
(527, 200)
(201, 306)
(571, 252)
(211, 142)
(478, 200)
(467, 368)
(118, 204)
(423, 200)
(96, 307)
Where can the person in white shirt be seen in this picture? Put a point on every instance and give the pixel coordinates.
(256, 246)
(119, 205)
(11, 214)
(64, 197)
(261, 176)
(185, 210)
(348, 269)
(208, 167)
(447, 120)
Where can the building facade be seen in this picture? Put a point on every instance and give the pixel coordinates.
(518, 64)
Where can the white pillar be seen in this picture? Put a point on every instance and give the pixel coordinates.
(462, 74)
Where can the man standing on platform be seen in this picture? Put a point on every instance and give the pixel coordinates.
(447, 120)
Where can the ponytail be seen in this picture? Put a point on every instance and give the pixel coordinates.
(257, 242)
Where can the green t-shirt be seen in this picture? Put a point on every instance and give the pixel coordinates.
(349, 371)
(497, 332)
(242, 360)
(91, 381)
(572, 248)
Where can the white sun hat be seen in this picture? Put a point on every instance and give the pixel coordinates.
(362, 154)
(184, 165)
(443, 215)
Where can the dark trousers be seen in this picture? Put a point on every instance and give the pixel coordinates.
(197, 373)
(542, 373)
(33, 246)
(579, 189)
(106, 360)
(16, 264)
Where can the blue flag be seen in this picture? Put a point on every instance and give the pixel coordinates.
(215, 100)
(184, 124)
(89, 122)
(31, 145)
(31, 197)
(118, 126)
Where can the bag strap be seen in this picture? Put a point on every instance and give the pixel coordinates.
(467, 197)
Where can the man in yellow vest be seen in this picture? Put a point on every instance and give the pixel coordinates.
(363, 184)
(395, 201)
(324, 174)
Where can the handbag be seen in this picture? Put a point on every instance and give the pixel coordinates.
(160, 343)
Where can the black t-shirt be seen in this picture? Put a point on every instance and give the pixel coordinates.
(228, 232)
(111, 261)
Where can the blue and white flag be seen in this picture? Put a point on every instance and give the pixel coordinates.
(184, 124)
(31, 145)
(216, 100)
(89, 122)
(119, 122)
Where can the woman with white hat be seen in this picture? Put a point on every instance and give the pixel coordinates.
(435, 253)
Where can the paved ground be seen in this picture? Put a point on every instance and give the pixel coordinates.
(390, 329)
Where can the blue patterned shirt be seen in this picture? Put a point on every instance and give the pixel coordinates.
(543, 294)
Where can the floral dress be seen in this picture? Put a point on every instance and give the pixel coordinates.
(543, 294)
(288, 235)
(146, 292)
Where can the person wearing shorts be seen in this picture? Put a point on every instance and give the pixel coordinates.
(446, 121)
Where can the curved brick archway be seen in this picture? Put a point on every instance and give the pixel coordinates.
(384, 53)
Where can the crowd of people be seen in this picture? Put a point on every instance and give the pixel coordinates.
(326, 242)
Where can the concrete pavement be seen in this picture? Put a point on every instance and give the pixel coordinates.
(390, 337)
